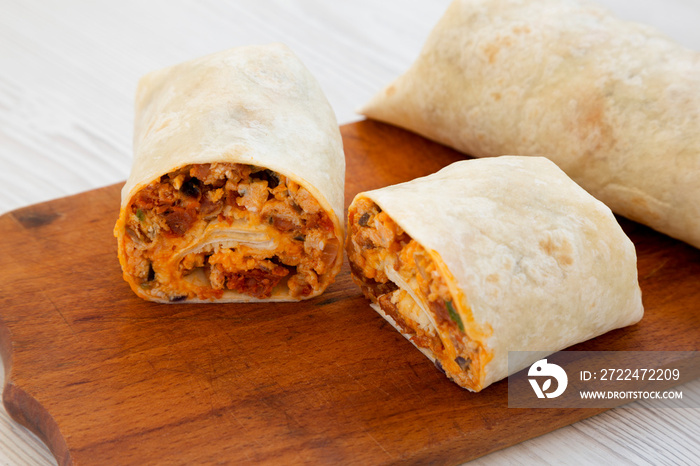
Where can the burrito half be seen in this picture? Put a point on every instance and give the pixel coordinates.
(490, 256)
(615, 104)
(236, 190)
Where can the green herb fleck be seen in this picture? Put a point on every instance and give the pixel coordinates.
(140, 215)
(454, 316)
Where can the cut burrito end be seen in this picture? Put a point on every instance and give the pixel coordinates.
(237, 185)
(410, 287)
(227, 232)
(492, 256)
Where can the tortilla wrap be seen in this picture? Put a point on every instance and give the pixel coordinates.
(493, 255)
(236, 190)
(615, 104)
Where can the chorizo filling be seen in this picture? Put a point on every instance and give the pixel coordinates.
(406, 287)
(207, 229)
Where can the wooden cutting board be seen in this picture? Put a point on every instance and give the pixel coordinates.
(105, 377)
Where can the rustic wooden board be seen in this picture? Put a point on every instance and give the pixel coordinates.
(105, 377)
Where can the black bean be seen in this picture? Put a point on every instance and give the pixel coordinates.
(300, 238)
(151, 273)
(364, 219)
(463, 363)
(273, 181)
(439, 366)
(266, 175)
(190, 187)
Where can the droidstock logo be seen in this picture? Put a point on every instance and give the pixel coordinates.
(542, 369)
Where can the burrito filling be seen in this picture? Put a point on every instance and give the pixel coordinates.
(408, 289)
(207, 229)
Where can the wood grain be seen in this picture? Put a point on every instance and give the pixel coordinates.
(102, 376)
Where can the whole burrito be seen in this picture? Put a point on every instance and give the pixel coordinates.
(615, 104)
(236, 189)
(489, 256)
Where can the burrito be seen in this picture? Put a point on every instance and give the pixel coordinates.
(489, 256)
(614, 104)
(237, 186)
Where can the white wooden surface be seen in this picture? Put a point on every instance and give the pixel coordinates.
(68, 71)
